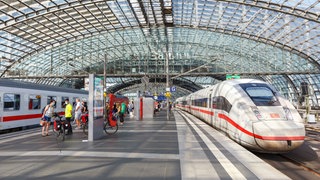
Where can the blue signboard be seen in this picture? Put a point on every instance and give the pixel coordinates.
(173, 89)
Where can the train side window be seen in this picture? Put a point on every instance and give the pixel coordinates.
(49, 98)
(184, 102)
(201, 102)
(204, 102)
(34, 102)
(11, 102)
(219, 102)
(214, 102)
(226, 105)
(63, 99)
(74, 101)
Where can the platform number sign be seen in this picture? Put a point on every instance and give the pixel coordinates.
(173, 89)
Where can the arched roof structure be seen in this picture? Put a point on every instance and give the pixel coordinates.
(59, 42)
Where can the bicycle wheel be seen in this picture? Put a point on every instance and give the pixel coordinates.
(55, 132)
(85, 128)
(110, 129)
(61, 134)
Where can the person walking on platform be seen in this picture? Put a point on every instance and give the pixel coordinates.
(68, 115)
(114, 112)
(77, 113)
(46, 117)
(123, 110)
(130, 107)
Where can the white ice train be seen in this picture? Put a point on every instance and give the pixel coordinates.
(250, 112)
(21, 103)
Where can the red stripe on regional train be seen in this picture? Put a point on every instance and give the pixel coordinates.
(24, 117)
(271, 138)
(21, 117)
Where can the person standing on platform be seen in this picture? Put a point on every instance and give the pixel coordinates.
(130, 107)
(114, 112)
(77, 113)
(84, 112)
(84, 107)
(123, 110)
(107, 110)
(46, 117)
(68, 115)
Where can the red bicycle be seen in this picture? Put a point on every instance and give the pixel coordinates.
(111, 124)
(84, 123)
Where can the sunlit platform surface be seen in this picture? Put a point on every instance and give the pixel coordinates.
(179, 148)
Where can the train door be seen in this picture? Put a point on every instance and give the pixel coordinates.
(189, 104)
(211, 114)
(215, 117)
(223, 121)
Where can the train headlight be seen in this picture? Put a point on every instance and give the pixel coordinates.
(288, 113)
(256, 112)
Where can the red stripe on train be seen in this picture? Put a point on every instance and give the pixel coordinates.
(21, 117)
(272, 138)
(24, 117)
(203, 111)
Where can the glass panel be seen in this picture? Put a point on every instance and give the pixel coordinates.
(11, 102)
(50, 98)
(34, 102)
(260, 94)
(63, 99)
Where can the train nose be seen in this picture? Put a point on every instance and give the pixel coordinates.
(278, 136)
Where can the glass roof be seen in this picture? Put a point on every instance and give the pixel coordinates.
(59, 42)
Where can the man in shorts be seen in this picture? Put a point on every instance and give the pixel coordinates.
(77, 113)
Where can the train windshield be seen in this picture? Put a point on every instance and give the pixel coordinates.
(260, 94)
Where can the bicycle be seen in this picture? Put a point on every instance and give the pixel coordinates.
(111, 125)
(84, 123)
(59, 127)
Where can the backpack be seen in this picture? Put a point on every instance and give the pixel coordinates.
(43, 109)
(123, 108)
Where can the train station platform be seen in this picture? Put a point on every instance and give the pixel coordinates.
(180, 148)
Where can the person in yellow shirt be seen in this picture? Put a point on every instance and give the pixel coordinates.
(68, 115)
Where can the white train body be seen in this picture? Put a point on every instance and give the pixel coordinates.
(250, 112)
(21, 103)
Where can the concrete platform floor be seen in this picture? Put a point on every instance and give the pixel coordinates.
(181, 148)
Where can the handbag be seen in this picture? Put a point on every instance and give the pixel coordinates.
(41, 122)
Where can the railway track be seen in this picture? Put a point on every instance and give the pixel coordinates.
(312, 134)
(301, 163)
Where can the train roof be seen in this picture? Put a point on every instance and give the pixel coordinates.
(28, 85)
(242, 81)
(231, 82)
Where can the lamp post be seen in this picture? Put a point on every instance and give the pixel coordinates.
(104, 86)
(167, 83)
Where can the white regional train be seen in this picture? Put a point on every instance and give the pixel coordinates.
(21, 103)
(250, 112)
